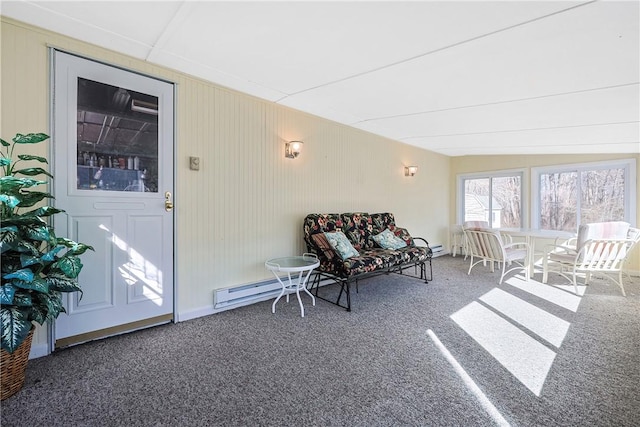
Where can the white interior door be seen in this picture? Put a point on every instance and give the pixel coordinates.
(113, 144)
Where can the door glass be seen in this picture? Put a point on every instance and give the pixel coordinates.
(117, 134)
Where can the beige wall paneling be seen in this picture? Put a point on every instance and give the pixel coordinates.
(247, 201)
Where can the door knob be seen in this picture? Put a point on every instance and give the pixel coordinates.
(168, 204)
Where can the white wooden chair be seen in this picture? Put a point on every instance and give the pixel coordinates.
(487, 245)
(458, 244)
(633, 235)
(601, 248)
(471, 224)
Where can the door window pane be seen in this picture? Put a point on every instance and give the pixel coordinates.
(117, 138)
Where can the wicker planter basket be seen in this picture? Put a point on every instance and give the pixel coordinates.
(13, 367)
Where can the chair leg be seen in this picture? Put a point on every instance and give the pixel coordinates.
(621, 284)
(504, 264)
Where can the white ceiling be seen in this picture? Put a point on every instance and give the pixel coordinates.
(457, 78)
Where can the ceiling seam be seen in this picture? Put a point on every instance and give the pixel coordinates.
(556, 145)
(393, 64)
(560, 149)
(169, 30)
(70, 18)
(509, 101)
(233, 76)
(520, 130)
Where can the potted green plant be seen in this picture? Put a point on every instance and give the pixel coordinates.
(37, 266)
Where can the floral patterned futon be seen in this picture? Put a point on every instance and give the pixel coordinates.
(360, 229)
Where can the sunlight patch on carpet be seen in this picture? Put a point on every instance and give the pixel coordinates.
(559, 297)
(469, 383)
(524, 357)
(544, 324)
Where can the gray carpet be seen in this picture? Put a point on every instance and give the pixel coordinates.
(375, 366)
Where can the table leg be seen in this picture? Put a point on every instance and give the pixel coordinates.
(302, 284)
(304, 287)
(273, 306)
(531, 241)
(302, 280)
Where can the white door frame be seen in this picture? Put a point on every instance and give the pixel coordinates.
(51, 325)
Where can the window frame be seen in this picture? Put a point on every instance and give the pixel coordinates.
(524, 184)
(630, 191)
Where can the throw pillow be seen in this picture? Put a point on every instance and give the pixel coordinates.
(323, 244)
(388, 240)
(341, 244)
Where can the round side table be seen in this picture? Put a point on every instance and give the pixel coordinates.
(302, 265)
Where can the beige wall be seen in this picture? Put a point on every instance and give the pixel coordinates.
(471, 164)
(247, 202)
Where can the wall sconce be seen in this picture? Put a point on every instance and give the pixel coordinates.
(410, 170)
(292, 149)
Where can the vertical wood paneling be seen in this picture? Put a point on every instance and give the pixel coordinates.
(247, 202)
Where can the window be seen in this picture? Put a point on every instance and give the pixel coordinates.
(492, 197)
(569, 195)
(117, 130)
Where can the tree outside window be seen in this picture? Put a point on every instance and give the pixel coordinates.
(581, 195)
(495, 199)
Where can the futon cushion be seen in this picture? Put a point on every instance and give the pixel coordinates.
(388, 240)
(357, 227)
(341, 244)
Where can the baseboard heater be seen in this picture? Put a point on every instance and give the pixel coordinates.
(246, 294)
(438, 250)
(260, 291)
(253, 292)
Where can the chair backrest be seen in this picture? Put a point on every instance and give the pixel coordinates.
(485, 243)
(475, 224)
(614, 230)
(603, 254)
(634, 240)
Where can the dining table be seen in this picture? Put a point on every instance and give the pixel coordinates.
(531, 235)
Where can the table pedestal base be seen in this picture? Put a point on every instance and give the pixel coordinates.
(294, 285)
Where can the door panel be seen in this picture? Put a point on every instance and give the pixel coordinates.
(145, 260)
(95, 266)
(113, 163)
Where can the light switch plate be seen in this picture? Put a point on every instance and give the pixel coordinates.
(194, 163)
